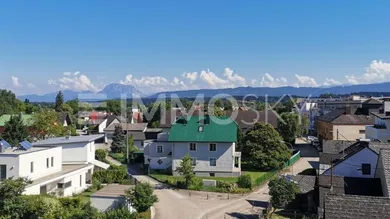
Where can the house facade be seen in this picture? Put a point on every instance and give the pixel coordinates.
(208, 141)
(45, 168)
(380, 130)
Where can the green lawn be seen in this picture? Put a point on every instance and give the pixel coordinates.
(257, 179)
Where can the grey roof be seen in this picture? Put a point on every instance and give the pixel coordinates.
(348, 185)
(138, 136)
(384, 166)
(68, 168)
(128, 126)
(326, 158)
(18, 151)
(380, 115)
(64, 140)
(112, 190)
(335, 146)
(339, 117)
(246, 119)
(306, 183)
(356, 207)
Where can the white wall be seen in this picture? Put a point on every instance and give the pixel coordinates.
(78, 152)
(39, 159)
(12, 165)
(223, 154)
(102, 126)
(349, 132)
(350, 167)
(72, 176)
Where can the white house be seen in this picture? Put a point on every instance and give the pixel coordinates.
(360, 160)
(45, 167)
(380, 131)
(210, 144)
(75, 149)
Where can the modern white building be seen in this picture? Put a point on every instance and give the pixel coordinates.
(380, 131)
(61, 166)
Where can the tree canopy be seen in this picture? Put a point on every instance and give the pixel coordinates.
(282, 192)
(118, 144)
(46, 125)
(59, 101)
(141, 197)
(186, 170)
(290, 127)
(264, 148)
(15, 130)
(9, 104)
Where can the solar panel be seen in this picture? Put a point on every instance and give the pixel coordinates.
(26, 145)
(5, 144)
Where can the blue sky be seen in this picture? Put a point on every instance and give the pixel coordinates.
(171, 45)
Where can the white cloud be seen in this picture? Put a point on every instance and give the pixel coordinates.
(150, 84)
(234, 78)
(331, 81)
(15, 81)
(269, 81)
(378, 71)
(191, 76)
(306, 81)
(31, 85)
(212, 79)
(75, 82)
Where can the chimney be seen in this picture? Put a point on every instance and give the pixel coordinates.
(348, 110)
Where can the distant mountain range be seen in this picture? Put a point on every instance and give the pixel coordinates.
(114, 91)
(111, 91)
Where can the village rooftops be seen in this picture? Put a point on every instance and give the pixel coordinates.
(203, 129)
(342, 117)
(128, 127)
(68, 140)
(356, 207)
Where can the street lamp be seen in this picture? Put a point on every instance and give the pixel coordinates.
(292, 149)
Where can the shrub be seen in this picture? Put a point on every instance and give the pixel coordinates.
(100, 155)
(228, 186)
(171, 181)
(114, 174)
(120, 213)
(71, 202)
(244, 181)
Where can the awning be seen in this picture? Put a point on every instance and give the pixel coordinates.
(100, 164)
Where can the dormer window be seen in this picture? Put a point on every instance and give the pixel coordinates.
(200, 129)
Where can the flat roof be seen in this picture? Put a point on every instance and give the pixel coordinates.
(64, 140)
(112, 190)
(67, 168)
(19, 151)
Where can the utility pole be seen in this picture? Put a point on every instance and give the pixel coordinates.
(331, 176)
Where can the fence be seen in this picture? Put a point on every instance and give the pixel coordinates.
(293, 159)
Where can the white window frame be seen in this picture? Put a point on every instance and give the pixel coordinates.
(192, 160)
(162, 149)
(210, 161)
(189, 146)
(210, 147)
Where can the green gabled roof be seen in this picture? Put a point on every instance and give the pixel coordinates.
(27, 119)
(187, 130)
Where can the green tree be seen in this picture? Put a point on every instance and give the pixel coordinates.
(118, 144)
(15, 131)
(186, 170)
(119, 213)
(59, 101)
(282, 192)
(114, 106)
(240, 140)
(46, 125)
(66, 108)
(304, 126)
(74, 104)
(9, 104)
(289, 127)
(132, 147)
(264, 148)
(141, 197)
(11, 203)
